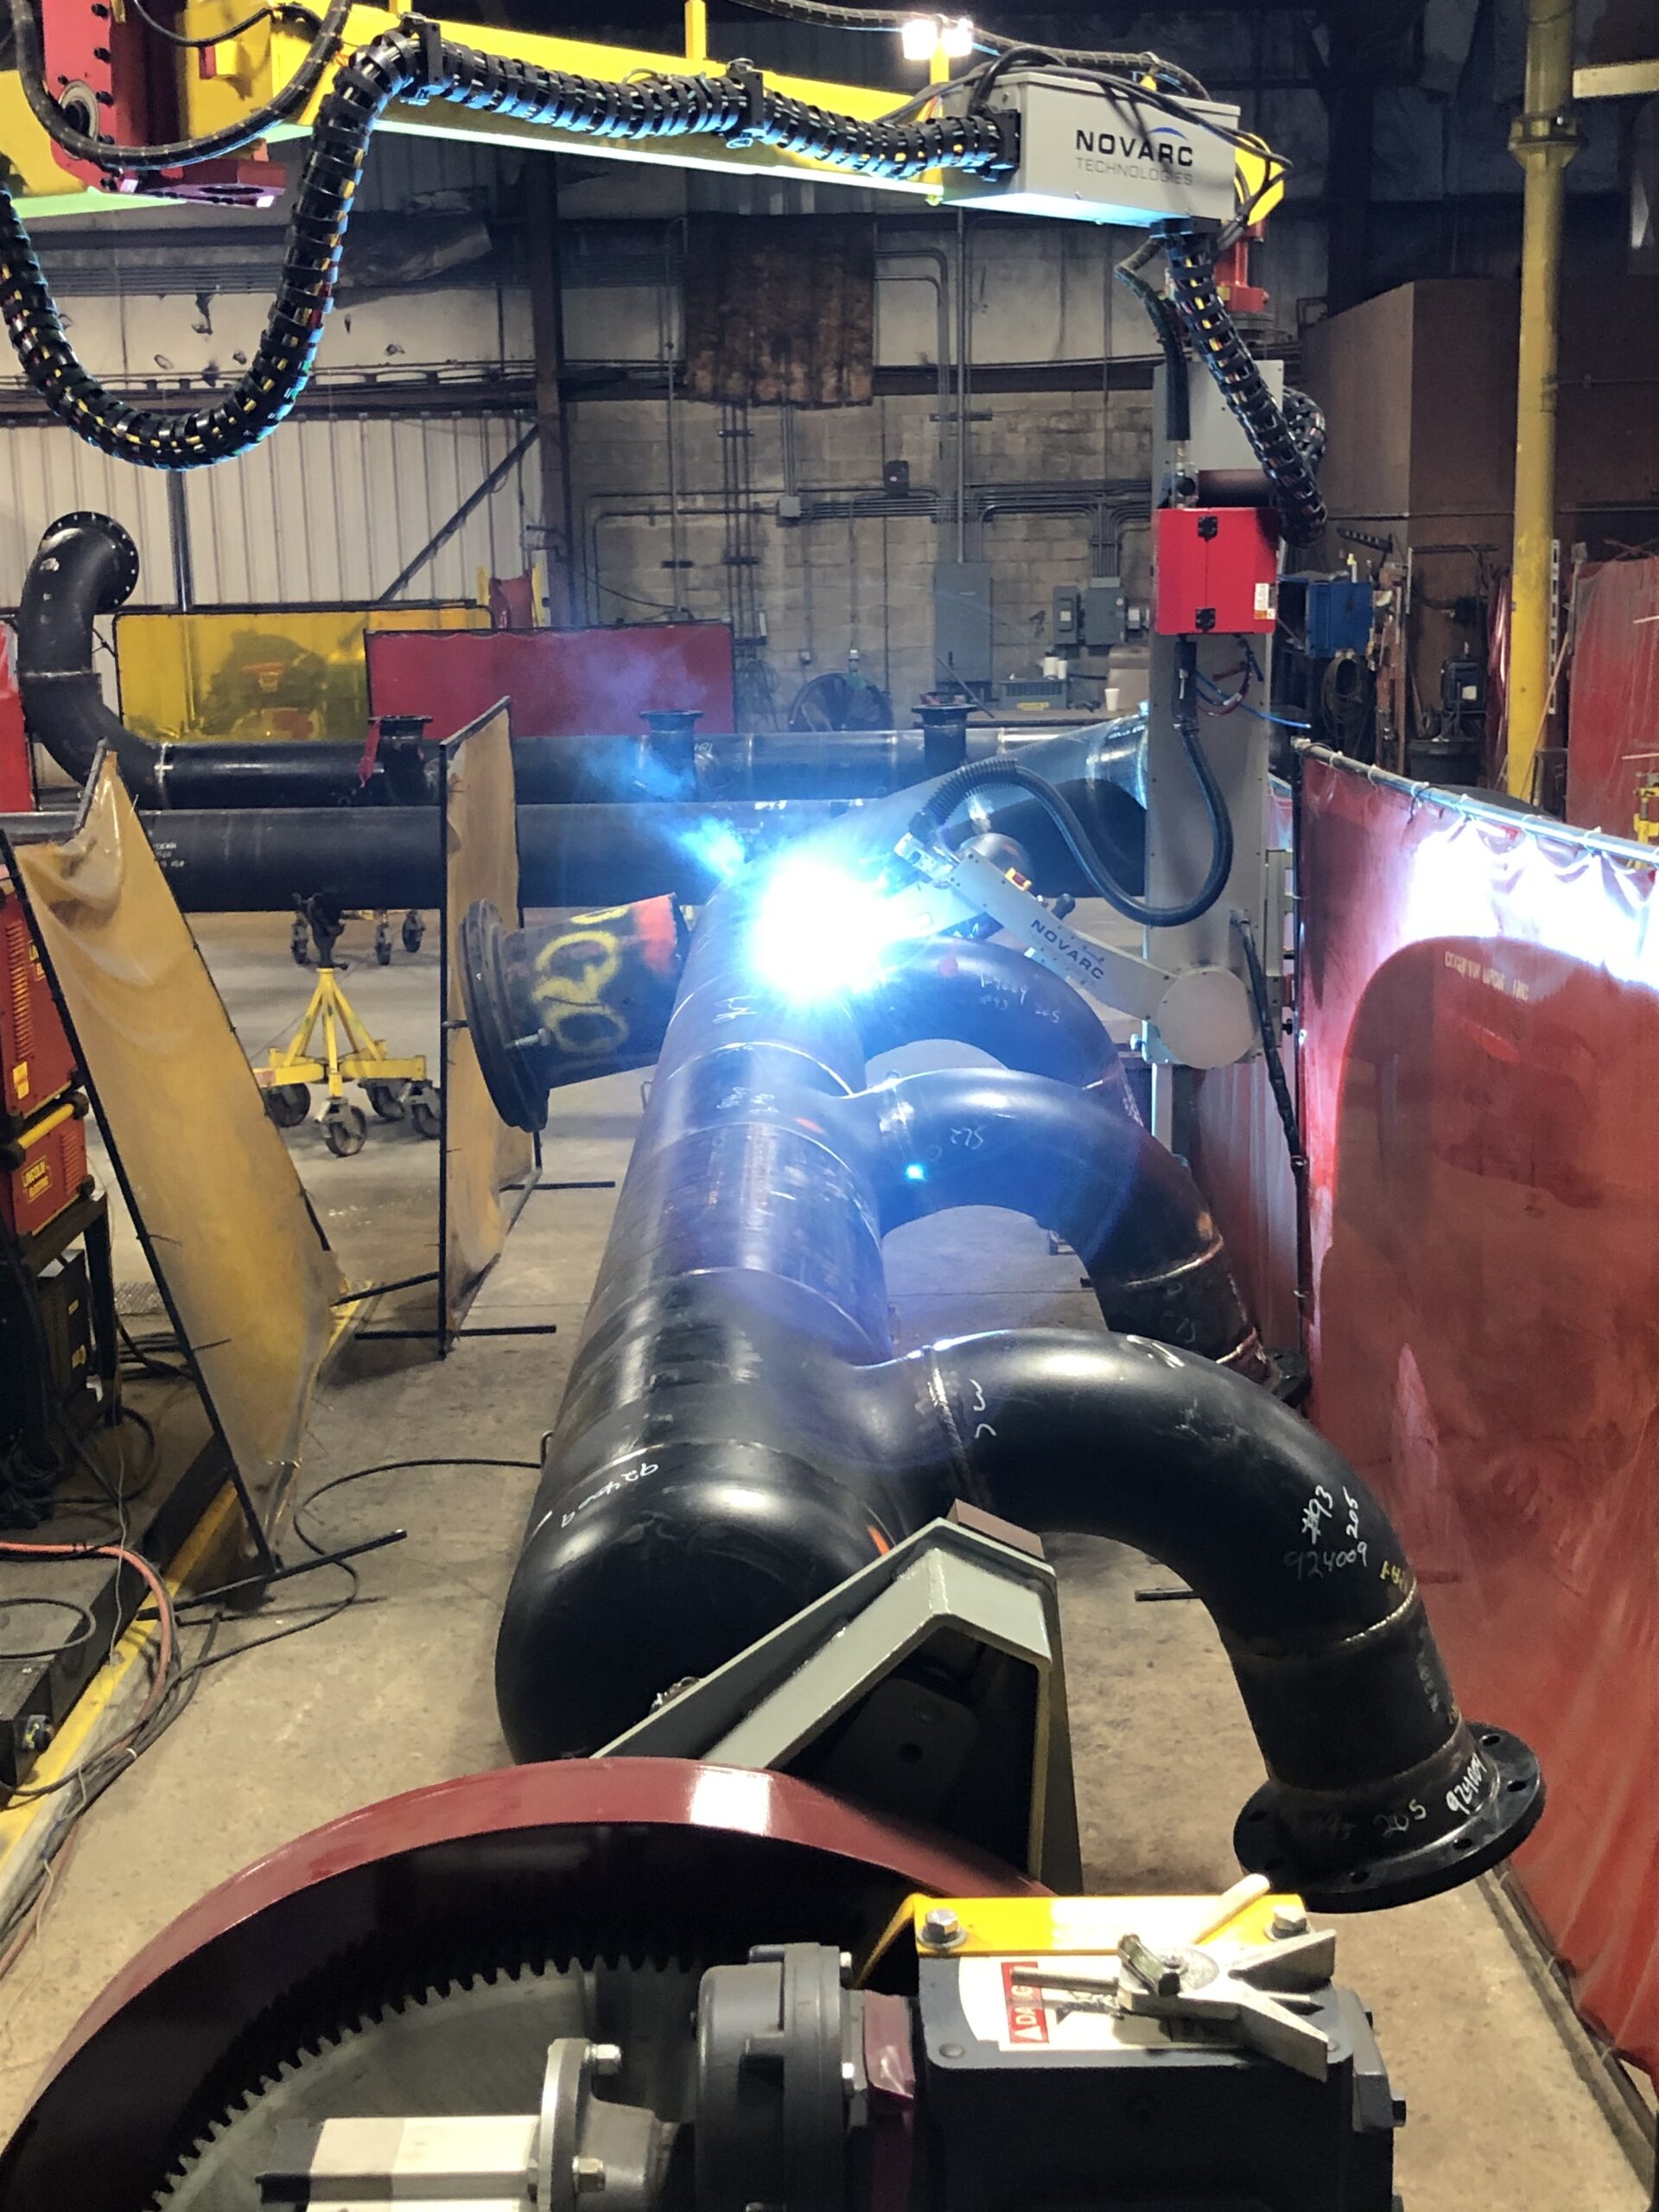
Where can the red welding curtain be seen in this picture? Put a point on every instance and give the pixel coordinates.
(1613, 734)
(1481, 1013)
(557, 683)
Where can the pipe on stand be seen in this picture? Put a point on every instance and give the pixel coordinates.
(1544, 138)
(739, 1435)
(88, 565)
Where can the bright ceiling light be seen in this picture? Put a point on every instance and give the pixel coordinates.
(956, 37)
(919, 35)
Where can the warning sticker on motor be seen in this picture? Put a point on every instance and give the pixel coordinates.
(1058, 2003)
(1022, 2002)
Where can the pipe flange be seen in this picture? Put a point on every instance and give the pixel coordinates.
(502, 1052)
(1493, 1806)
(126, 574)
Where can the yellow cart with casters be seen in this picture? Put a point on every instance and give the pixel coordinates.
(396, 1088)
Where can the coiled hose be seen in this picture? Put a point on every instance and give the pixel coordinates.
(415, 65)
(963, 783)
(1273, 440)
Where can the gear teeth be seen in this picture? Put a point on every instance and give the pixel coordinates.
(429, 1997)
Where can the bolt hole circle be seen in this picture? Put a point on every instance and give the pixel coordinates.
(910, 1754)
(1490, 1741)
(1515, 1786)
(1359, 1877)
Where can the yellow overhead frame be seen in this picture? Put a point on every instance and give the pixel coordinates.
(253, 65)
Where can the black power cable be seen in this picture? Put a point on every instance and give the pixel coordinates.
(1167, 323)
(263, 14)
(415, 65)
(963, 783)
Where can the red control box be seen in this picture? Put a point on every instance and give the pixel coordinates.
(37, 1060)
(42, 1167)
(1215, 568)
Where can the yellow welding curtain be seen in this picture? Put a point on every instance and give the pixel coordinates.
(264, 673)
(486, 1169)
(235, 1247)
(780, 311)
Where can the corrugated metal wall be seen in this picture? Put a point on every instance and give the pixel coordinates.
(328, 510)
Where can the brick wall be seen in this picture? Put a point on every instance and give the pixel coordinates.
(829, 585)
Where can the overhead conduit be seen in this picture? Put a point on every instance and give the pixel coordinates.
(737, 1435)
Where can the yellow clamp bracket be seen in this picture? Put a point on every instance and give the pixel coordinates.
(966, 1928)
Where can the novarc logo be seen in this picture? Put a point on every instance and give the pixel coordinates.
(1165, 147)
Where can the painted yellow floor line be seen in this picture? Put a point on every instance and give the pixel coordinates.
(25, 1826)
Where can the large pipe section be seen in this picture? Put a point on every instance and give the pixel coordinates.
(259, 860)
(738, 1435)
(88, 565)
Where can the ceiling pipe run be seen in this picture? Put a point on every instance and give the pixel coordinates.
(738, 1435)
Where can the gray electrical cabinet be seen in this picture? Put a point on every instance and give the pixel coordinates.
(962, 621)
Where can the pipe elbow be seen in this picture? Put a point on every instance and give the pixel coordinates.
(86, 565)
(1075, 1163)
(1001, 1002)
(1379, 1792)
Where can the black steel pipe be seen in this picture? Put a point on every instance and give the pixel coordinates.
(88, 565)
(737, 1436)
(258, 860)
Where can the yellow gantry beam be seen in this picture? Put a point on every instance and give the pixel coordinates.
(249, 68)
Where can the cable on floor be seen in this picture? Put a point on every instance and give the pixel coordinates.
(174, 1684)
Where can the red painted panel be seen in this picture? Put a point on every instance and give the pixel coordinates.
(17, 783)
(1613, 738)
(1481, 1015)
(561, 682)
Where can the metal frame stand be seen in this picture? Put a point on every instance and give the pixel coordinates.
(889, 1687)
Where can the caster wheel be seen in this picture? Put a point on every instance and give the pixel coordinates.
(344, 1127)
(287, 1104)
(383, 951)
(300, 945)
(424, 1109)
(414, 930)
(387, 1100)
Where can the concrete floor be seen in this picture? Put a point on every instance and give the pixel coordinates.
(397, 1691)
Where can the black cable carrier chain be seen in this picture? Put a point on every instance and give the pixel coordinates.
(415, 65)
(1288, 465)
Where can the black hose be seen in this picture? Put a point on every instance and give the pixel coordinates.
(415, 65)
(1177, 404)
(948, 794)
(1274, 441)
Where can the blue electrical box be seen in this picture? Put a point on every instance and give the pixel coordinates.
(1338, 616)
